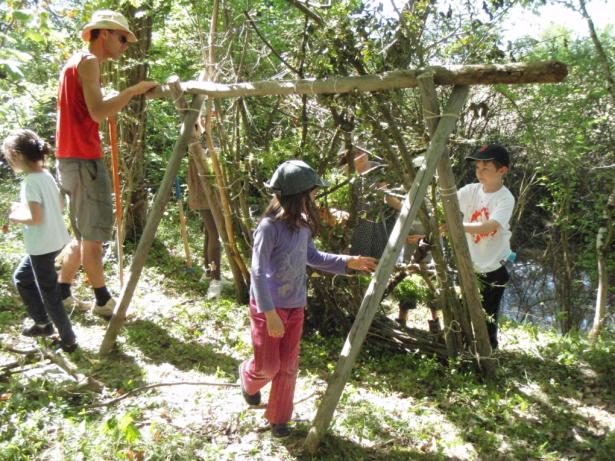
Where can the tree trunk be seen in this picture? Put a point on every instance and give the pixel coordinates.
(133, 122)
(603, 243)
(600, 52)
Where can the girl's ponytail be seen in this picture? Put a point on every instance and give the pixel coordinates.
(28, 144)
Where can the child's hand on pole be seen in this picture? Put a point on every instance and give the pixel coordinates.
(362, 263)
(275, 327)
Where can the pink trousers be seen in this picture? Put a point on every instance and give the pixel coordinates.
(275, 360)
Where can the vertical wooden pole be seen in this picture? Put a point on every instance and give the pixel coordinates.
(448, 194)
(373, 295)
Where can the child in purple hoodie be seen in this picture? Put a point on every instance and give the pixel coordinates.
(283, 247)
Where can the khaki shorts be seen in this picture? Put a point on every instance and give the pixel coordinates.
(88, 186)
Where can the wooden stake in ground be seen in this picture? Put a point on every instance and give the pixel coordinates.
(373, 295)
(115, 164)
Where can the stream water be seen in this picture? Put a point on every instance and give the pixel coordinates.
(530, 297)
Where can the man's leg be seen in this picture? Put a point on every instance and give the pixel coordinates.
(91, 259)
(71, 261)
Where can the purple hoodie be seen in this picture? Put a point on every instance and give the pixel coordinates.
(279, 258)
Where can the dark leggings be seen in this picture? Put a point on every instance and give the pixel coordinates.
(211, 245)
(37, 282)
(492, 285)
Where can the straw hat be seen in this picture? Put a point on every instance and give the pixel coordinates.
(107, 19)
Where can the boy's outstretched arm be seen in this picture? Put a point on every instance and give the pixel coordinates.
(481, 227)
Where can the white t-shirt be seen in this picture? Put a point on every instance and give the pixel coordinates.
(51, 234)
(487, 250)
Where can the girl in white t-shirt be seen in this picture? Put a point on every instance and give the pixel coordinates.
(40, 212)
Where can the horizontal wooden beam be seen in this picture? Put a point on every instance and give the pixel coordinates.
(478, 74)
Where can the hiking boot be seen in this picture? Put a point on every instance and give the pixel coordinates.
(65, 345)
(71, 304)
(105, 311)
(251, 399)
(280, 430)
(38, 330)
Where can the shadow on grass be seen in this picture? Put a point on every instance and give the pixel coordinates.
(185, 280)
(116, 370)
(333, 448)
(160, 347)
(529, 410)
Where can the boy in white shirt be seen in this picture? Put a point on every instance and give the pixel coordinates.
(487, 207)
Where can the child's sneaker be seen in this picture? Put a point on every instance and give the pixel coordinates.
(66, 346)
(280, 430)
(254, 399)
(105, 311)
(71, 303)
(38, 330)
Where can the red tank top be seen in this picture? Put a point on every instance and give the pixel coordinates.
(76, 132)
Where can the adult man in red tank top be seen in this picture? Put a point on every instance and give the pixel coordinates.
(82, 173)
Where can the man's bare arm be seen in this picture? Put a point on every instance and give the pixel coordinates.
(100, 108)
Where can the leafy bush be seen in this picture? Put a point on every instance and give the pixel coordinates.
(412, 289)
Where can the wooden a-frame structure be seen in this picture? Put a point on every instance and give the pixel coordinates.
(440, 126)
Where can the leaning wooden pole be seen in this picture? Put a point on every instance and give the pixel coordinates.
(153, 219)
(479, 74)
(478, 339)
(198, 155)
(371, 301)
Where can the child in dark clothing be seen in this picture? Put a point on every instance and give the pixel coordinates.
(45, 234)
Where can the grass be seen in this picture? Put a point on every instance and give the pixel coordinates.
(552, 398)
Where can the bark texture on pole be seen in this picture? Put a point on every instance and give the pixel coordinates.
(479, 74)
(452, 212)
(373, 295)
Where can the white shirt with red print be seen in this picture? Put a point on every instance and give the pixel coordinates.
(488, 249)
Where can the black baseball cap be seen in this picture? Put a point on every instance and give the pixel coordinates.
(495, 152)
